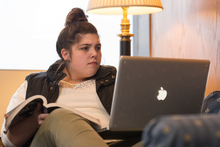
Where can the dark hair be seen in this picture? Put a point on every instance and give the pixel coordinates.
(76, 24)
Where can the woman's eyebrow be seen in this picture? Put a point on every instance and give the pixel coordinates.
(85, 45)
(99, 44)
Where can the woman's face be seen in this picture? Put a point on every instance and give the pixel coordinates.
(86, 57)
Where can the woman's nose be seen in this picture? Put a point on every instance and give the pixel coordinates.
(94, 52)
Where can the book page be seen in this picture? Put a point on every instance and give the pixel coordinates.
(23, 110)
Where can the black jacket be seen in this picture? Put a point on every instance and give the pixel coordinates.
(46, 83)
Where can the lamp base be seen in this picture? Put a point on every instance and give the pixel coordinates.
(125, 35)
(125, 48)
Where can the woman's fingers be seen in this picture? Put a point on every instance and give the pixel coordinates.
(41, 118)
(38, 108)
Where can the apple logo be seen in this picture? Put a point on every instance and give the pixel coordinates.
(162, 94)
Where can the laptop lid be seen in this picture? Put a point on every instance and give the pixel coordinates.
(148, 87)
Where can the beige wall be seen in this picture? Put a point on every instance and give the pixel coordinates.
(10, 81)
(189, 29)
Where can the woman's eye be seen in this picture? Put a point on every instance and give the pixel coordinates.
(98, 48)
(84, 48)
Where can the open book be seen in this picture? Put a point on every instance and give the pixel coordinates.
(27, 107)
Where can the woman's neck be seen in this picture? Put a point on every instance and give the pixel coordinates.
(71, 79)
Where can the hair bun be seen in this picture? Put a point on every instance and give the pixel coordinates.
(75, 15)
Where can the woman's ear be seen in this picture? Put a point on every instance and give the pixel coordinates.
(65, 54)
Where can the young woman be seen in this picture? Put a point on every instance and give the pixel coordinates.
(76, 80)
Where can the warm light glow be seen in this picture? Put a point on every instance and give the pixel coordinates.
(114, 7)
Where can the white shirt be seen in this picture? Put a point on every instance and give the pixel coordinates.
(84, 98)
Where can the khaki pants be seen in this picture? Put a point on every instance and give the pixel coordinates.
(62, 128)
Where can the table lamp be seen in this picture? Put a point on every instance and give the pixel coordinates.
(124, 7)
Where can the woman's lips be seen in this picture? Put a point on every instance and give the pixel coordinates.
(93, 63)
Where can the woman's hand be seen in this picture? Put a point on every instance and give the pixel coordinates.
(20, 133)
(38, 115)
(41, 118)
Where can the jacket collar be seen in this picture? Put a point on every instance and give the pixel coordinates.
(55, 74)
(104, 71)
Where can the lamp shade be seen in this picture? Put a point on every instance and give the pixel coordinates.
(113, 7)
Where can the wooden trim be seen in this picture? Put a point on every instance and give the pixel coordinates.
(150, 35)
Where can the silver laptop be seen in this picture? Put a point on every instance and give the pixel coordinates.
(149, 87)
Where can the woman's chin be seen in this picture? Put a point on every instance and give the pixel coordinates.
(92, 72)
